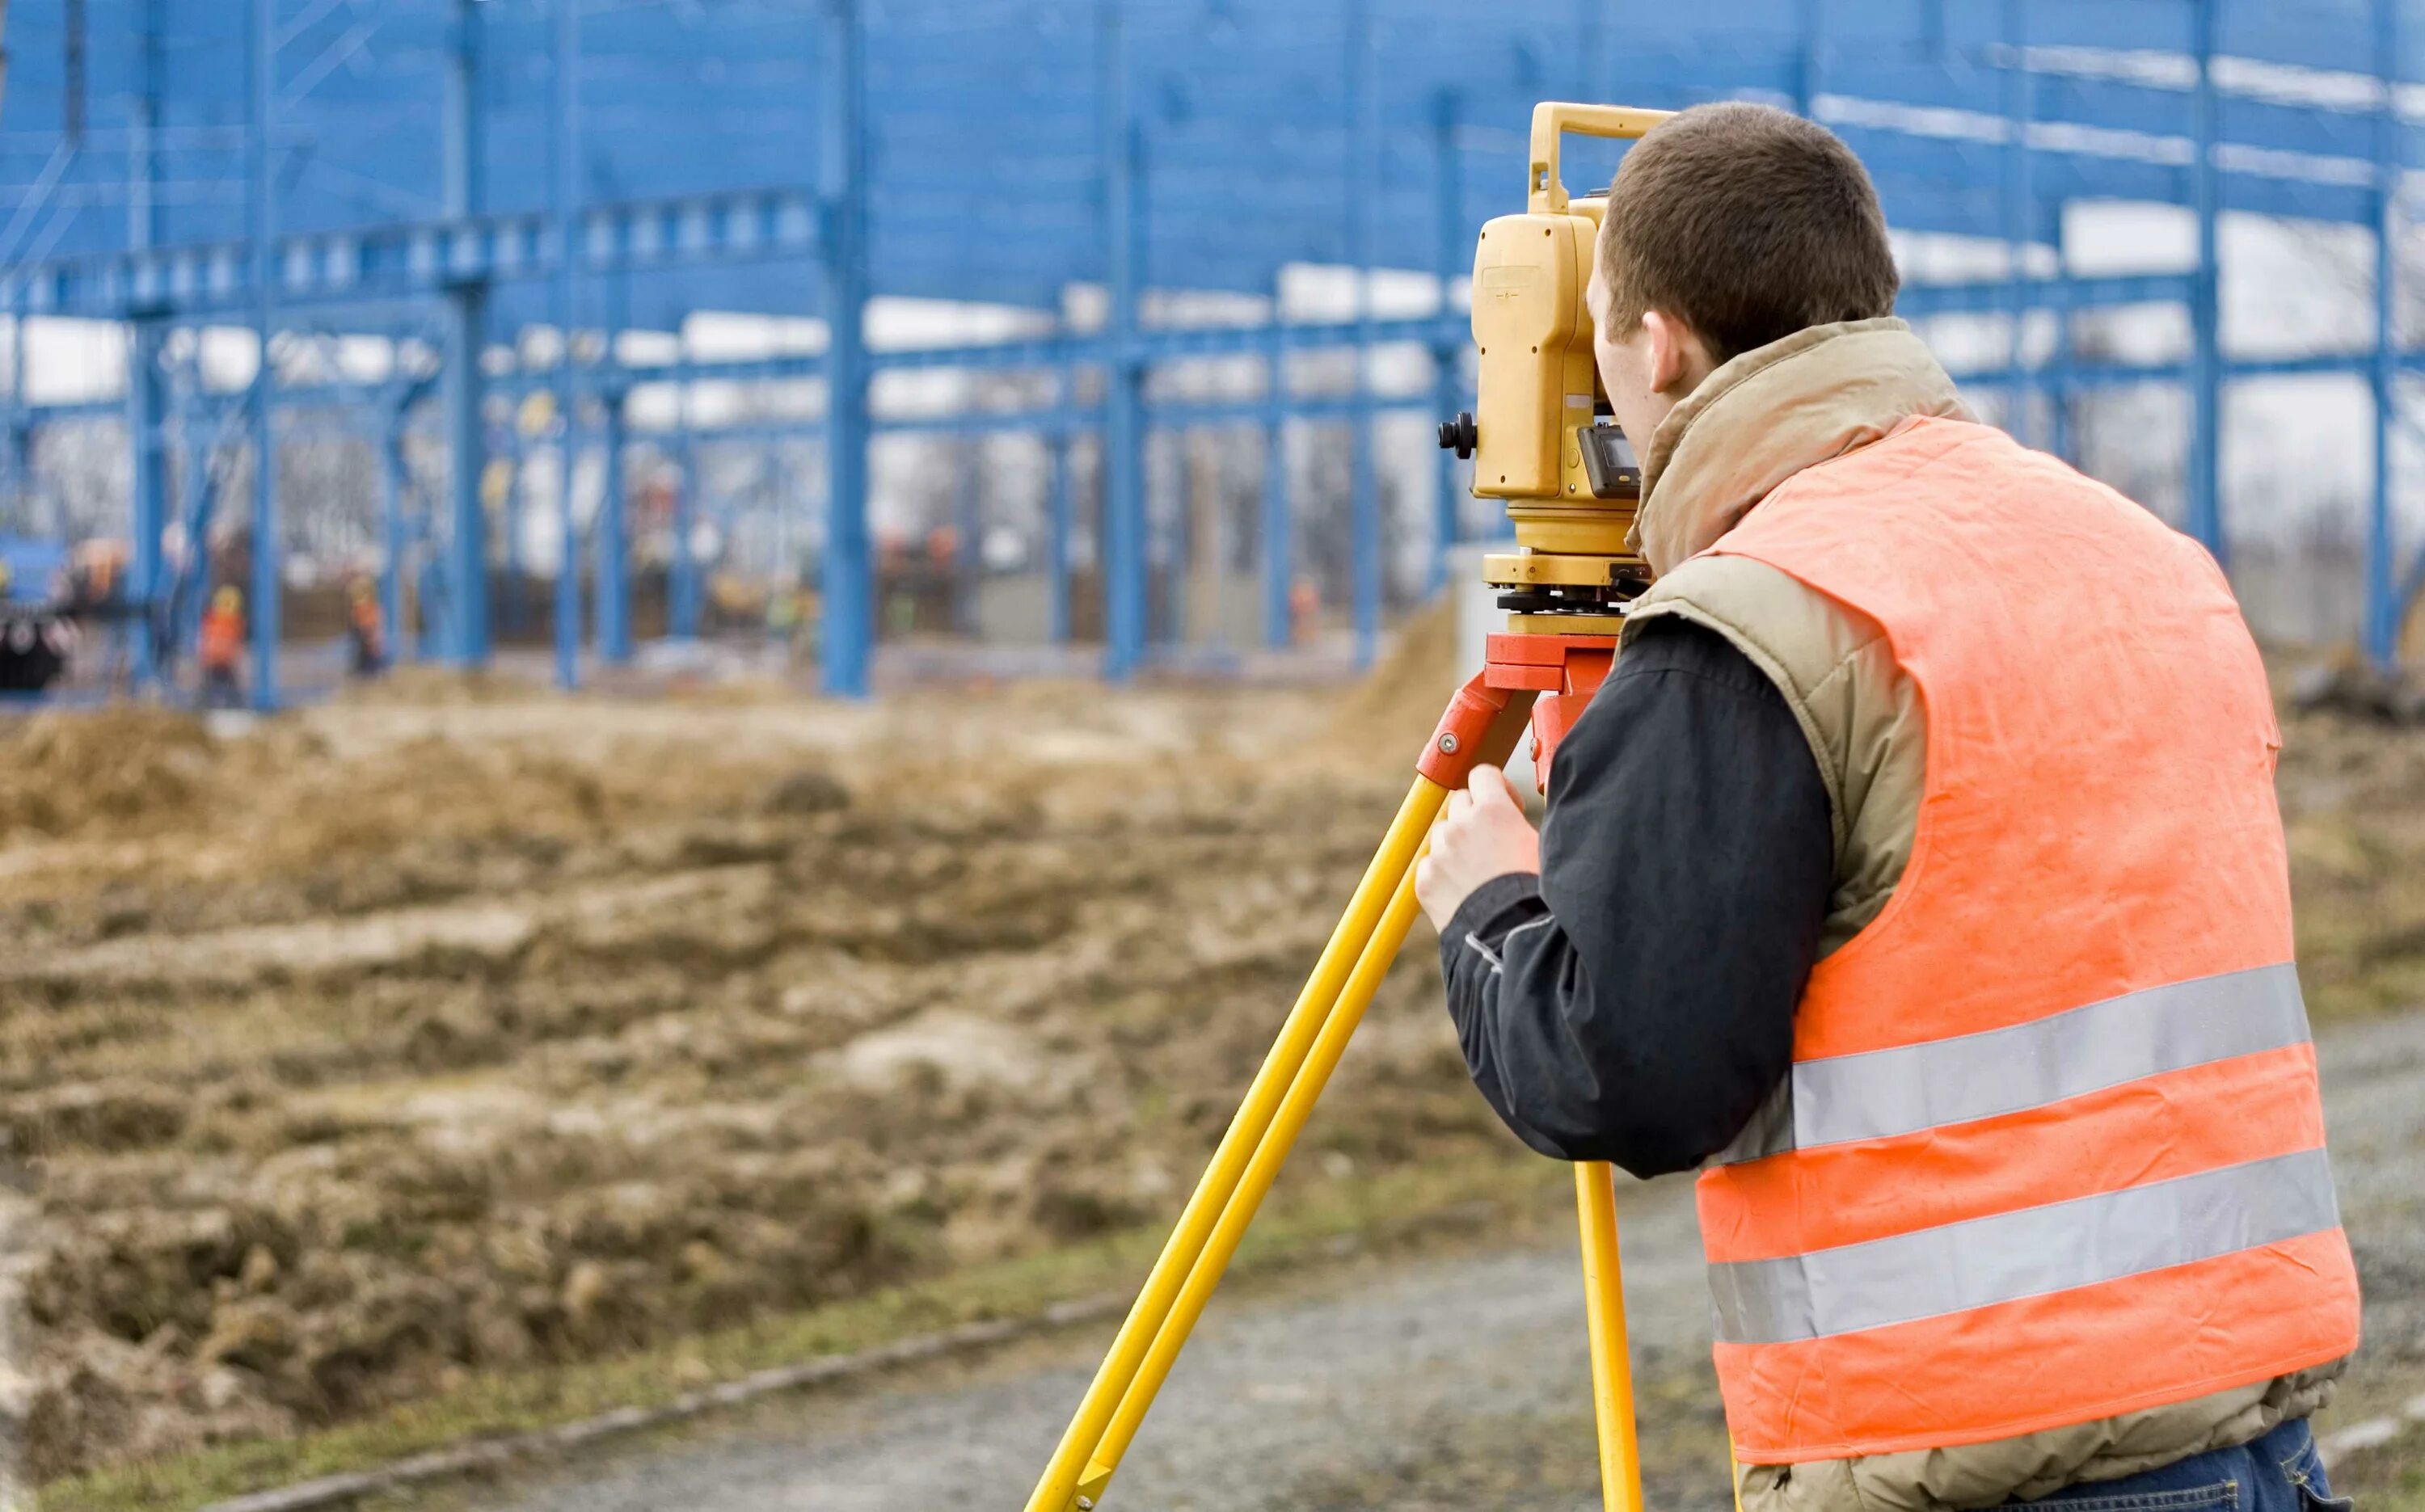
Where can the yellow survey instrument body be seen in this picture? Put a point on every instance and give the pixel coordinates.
(1537, 442)
(1540, 435)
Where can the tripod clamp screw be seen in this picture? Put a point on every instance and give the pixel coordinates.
(1448, 742)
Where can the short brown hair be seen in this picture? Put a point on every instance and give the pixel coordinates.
(1748, 223)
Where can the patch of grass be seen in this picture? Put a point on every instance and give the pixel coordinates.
(1301, 1223)
(2389, 1477)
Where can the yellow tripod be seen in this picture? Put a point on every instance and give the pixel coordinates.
(1571, 489)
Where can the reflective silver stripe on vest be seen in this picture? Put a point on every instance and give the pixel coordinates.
(2007, 1256)
(1885, 1093)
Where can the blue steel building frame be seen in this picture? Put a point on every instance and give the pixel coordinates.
(796, 158)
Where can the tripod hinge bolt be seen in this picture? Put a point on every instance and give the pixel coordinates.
(1448, 742)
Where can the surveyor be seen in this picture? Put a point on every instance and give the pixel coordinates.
(221, 647)
(1917, 874)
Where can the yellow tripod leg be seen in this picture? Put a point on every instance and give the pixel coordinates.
(1386, 882)
(1260, 1172)
(1620, 1458)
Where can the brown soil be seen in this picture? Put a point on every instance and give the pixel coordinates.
(415, 1035)
(394, 1040)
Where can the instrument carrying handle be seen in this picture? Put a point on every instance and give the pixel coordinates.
(1554, 118)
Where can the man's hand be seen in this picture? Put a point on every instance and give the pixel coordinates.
(1482, 834)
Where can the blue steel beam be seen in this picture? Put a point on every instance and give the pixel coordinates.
(424, 257)
(1181, 415)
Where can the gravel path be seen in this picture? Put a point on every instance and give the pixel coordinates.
(1386, 1384)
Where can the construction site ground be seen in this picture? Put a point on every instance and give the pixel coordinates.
(458, 1059)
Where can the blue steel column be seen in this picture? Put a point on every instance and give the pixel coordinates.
(681, 567)
(144, 430)
(391, 533)
(614, 540)
(145, 413)
(262, 55)
(142, 150)
(1124, 523)
(846, 635)
(1454, 257)
(2204, 503)
(467, 576)
(566, 190)
(1279, 519)
(1058, 509)
(467, 642)
(1361, 188)
(2383, 606)
(2019, 90)
(507, 443)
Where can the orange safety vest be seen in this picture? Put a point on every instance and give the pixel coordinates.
(2051, 1148)
(366, 623)
(222, 638)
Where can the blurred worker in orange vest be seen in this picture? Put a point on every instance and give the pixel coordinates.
(366, 635)
(1304, 611)
(222, 647)
(1938, 915)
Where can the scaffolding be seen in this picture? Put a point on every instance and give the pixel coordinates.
(498, 194)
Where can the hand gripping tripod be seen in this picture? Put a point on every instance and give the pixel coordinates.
(1571, 489)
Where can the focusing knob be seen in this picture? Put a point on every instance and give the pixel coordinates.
(1458, 435)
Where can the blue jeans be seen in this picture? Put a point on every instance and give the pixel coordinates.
(2279, 1472)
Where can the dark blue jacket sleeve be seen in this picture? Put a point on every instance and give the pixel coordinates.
(1635, 1003)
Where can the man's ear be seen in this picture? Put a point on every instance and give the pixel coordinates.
(1676, 358)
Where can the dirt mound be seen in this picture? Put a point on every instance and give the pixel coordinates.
(1388, 715)
(118, 767)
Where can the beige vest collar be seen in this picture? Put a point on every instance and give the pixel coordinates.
(1772, 412)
